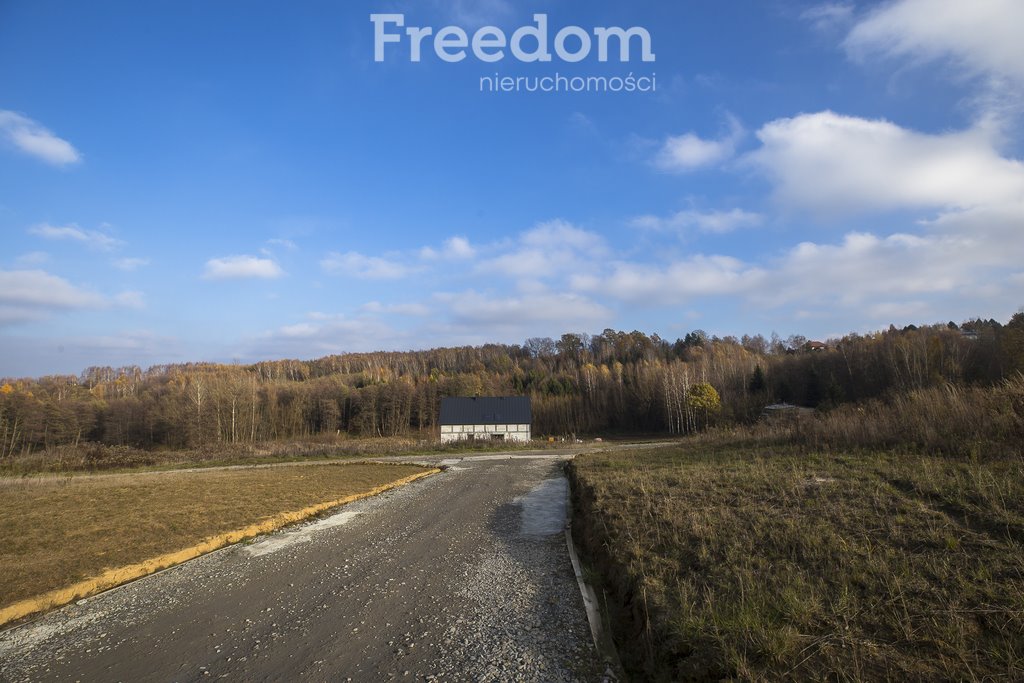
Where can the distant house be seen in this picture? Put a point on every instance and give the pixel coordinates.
(491, 418)
(779, 412)
(815, 346)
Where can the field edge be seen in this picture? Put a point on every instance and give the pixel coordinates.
(112, 578)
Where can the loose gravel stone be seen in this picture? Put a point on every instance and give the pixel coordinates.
(459, 577)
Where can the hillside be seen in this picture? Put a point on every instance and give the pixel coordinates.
(613, 382)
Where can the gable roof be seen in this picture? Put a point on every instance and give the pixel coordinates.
(460, 410)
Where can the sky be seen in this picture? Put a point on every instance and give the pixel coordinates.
(237, 181)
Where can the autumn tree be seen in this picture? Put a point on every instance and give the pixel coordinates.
(703, 399)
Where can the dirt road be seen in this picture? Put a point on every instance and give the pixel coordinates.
(460, 576)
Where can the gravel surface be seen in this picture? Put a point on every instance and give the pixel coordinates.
(463, 576)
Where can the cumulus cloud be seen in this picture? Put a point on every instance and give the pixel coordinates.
(300, 330)
(826, 161)
(981, 36)
(454, 248)
(93, 239)
(548, 250)
(34, 294)
(35, 140)
(241, 267)
(39, 288)
(677, 282)
(864, 267)
(558, 234)
(967, 241)
(354, 264)
(718, 222)
(688, 152)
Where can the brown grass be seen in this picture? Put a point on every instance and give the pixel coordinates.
(969, 422)
(858, 567)
(57, 531)
(95, 457)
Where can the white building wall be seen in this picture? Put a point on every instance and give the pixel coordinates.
(519, 433)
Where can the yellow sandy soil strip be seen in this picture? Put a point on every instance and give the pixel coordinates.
(115, 577)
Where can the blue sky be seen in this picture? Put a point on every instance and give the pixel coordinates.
(186, 181)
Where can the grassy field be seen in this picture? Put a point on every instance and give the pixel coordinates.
(722, 561)
(91, 457)
(55, 531)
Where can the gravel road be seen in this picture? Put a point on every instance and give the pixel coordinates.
(463, 576)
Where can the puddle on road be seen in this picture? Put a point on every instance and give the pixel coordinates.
(543, 508)
(280, 541)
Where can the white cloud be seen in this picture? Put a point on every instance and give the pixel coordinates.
(829, 162)
(131, 264)
(90, 238)
(39, 288)
(966, 255)
(283, 243)
(33, 294)
(864, 267)
(689, 152)
(354, 264)
(718, 222)
(828, 15)
(299, 330)
(241, 267)
(549, 250)
(557, 234)
(981, 36)
(35, 140)
(454, 248)
(680, 281)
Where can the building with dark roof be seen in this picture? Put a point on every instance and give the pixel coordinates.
(491, 418)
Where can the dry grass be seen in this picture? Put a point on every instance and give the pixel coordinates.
(94, 457)
(812, 567)
(56, 531)
(970, 422)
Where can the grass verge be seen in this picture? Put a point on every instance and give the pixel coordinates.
(56, 533)
(727, 563)
(93, 457)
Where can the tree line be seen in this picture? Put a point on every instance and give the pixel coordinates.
(625, 382)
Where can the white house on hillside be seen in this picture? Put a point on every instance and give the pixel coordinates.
(491, 418)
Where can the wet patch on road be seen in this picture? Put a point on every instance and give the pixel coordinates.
(303, 534)
(542, 510)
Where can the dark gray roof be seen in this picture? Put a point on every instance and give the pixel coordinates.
(459, 410)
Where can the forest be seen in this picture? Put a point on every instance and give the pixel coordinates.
(580, 384)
